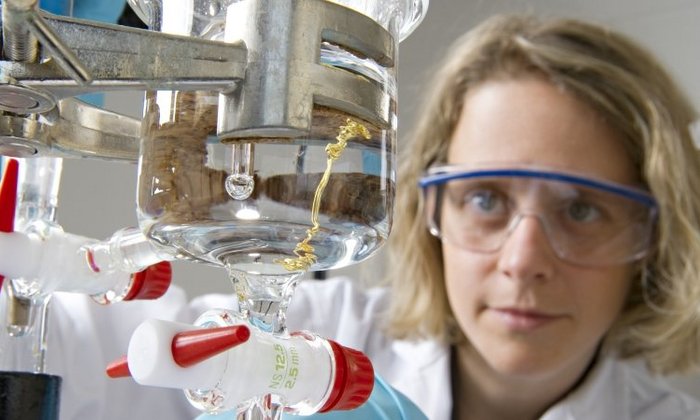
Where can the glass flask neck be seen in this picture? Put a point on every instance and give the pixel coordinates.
(263, 298)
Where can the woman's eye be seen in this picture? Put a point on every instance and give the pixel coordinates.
(485, 201)
(580, 211)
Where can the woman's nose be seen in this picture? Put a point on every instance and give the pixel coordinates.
(527, 253)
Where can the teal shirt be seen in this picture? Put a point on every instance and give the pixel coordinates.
(99, 10)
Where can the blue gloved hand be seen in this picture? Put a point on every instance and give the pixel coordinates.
(385, 403)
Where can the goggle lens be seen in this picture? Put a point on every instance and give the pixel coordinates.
(587, 221)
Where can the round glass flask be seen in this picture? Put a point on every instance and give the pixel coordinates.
(266, 203)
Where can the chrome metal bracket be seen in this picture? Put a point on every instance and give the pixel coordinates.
(285, 75)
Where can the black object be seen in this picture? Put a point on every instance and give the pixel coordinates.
(29, 396)
(130, 18)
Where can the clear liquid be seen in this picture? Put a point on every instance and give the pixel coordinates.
(259, 247)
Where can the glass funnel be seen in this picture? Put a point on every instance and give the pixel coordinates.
(250, 205)
(254, 202)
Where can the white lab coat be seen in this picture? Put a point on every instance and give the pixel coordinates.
(84, 337)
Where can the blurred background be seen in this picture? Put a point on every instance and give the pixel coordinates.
(97, 197)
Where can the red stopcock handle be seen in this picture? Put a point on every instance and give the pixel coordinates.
(191, 347)
(8, 200)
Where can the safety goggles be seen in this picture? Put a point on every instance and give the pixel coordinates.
(587, 221)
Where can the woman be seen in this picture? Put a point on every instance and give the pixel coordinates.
(556, 235)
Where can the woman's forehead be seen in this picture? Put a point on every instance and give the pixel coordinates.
(530, 121)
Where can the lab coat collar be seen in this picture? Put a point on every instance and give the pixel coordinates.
(428, 381)
(604, 394)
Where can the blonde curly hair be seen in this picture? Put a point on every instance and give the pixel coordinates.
(631, 90)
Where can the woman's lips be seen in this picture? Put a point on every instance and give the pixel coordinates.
(522, 319)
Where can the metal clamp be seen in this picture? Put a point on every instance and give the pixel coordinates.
(42, 118)
(285, 75)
